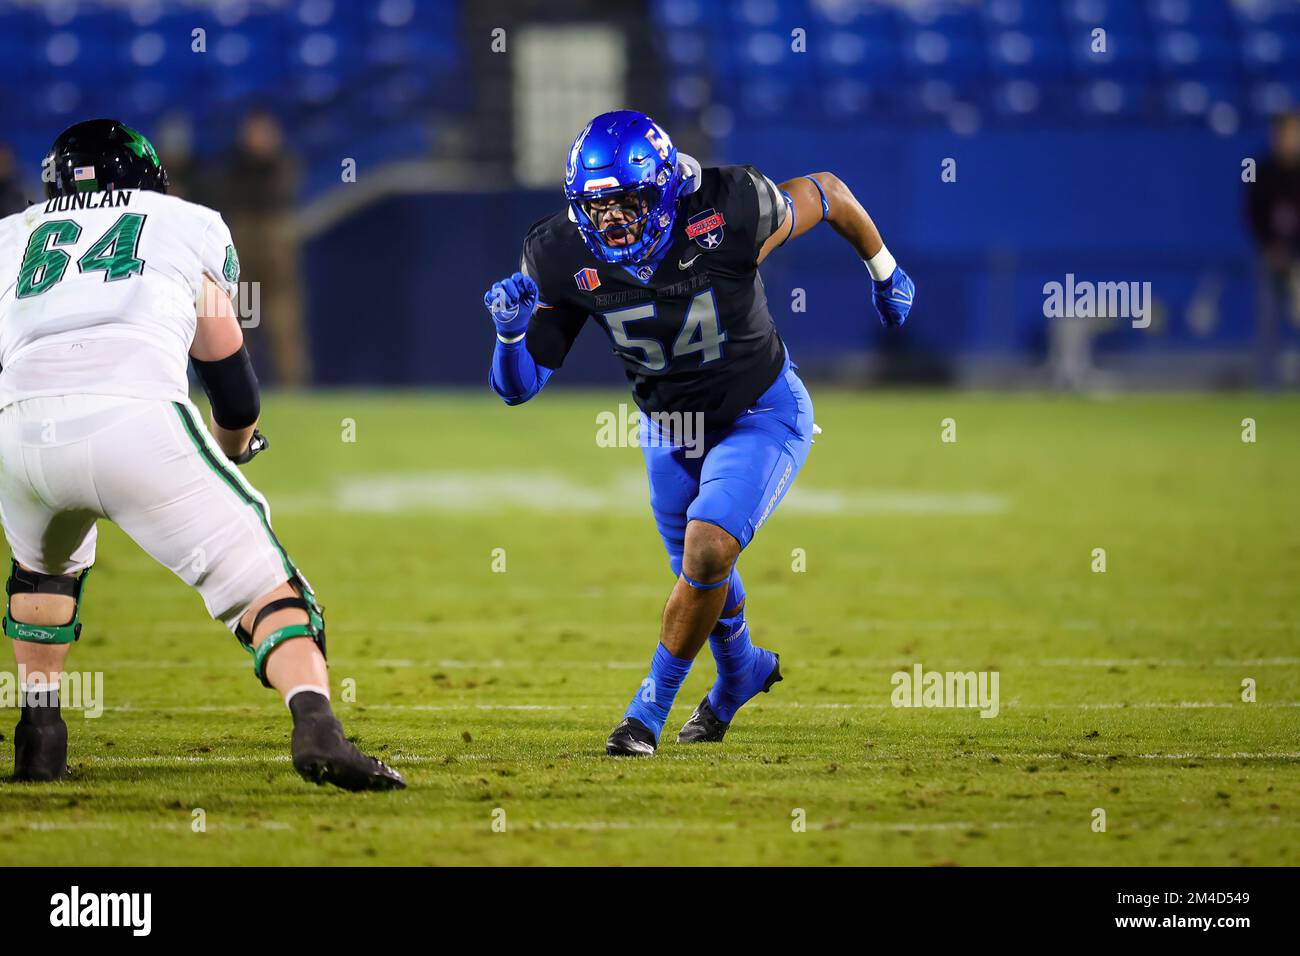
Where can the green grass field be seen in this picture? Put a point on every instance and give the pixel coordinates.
(494, 691)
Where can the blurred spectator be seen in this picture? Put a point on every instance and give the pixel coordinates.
(12, 196)
(1273, 209)
(174, 138)
(255, 192)
(1070, 350)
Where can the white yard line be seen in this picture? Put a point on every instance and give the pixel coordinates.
(623, 492)
(137, 825)
(515, 825)
(867, 663)
(404, 759)
(1169, 662)
(534, 826)
(193, 760)
(763, 705)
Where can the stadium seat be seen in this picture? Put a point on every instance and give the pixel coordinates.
(1027, 62)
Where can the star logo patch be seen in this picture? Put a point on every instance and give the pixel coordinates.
(706, 228)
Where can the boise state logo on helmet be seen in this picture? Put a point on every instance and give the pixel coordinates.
(571, 167)
(623, 155)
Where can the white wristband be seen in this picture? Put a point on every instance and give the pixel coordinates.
(505, 341)
(881, 265)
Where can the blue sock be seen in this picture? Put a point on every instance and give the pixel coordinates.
(654, 698)
(742, 667)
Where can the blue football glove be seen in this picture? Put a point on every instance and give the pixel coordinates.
(512, 302)
(893, 297)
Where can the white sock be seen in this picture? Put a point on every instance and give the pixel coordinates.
(315, 688)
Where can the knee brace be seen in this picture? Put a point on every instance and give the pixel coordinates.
(314, 628)
(22, 581)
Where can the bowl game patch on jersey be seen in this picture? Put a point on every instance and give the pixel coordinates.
(705, 227)
(588, 280)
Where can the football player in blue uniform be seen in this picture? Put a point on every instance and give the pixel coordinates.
(663, 255)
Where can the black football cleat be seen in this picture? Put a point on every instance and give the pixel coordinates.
(631, 738)
(321, 754)
(41, 749)
(704, 727)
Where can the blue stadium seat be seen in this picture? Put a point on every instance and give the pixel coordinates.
(1272, 52)
(850, 99)
(328, 64)
(1029, 15)
(1269, 97)
(1125, 16)
(685, 48)
(1010, 61)
(1117, 99)
(1206, 54)
(1124, 56)
(1013, 53)
(858, 55)
(953, 55)
(1194, 98)
(1201, 15)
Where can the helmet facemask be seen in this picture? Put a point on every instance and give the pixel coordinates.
(618, 217)
(623, 224)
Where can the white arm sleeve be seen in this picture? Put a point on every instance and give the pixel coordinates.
(217, 255)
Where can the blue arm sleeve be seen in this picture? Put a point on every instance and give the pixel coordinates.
(515, 376)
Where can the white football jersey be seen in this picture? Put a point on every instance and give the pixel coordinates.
(98, 293)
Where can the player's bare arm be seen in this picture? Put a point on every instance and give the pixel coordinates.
(843, 213)
(824, 198)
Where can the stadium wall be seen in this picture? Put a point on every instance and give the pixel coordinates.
(1119, 208)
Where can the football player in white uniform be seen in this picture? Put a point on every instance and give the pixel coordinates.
(106, 290)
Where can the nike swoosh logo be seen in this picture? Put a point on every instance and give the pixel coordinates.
(685, 264)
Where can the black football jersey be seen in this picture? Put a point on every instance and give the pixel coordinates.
(692, 327)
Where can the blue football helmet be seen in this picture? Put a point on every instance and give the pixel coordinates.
(624, 157)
